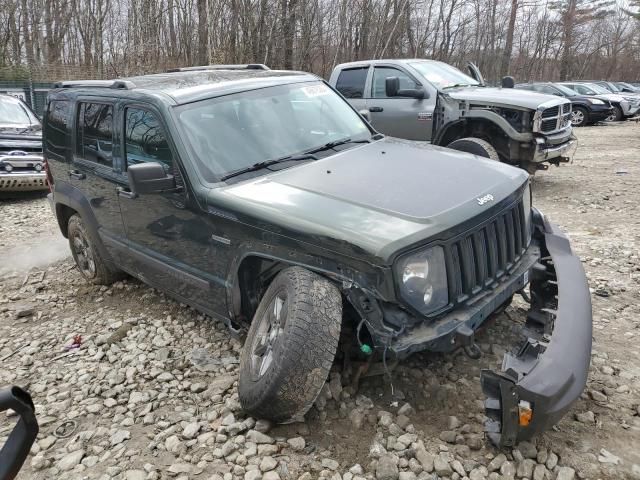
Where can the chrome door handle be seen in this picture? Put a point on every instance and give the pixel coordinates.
(122, 192)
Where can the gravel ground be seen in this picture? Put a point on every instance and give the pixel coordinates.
(152, 391)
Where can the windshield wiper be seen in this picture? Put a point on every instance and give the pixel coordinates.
(335, 143)
(268, 163)
(308, 155)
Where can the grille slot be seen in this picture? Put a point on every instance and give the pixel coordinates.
(6, 150)
(555, 118)
(549, 125)
(487, 253)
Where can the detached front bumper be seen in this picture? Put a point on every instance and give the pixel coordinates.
(539, 383)
(600, 115)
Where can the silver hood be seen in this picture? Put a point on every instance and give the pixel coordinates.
(505, 97)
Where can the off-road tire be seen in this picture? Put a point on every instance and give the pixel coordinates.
(585, 117)
(104, 273)
(303, 353)
(616, 116)
(476, 146)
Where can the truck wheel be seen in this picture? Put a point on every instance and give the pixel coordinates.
(290, 346)
(579, 117)
(616, 116)
(87, 257)
(477, 146)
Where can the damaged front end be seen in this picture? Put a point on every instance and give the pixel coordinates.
(538, 384)
(546, 375)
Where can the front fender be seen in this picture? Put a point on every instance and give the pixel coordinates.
(348, 274)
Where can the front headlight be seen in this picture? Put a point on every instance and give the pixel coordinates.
(423, 280)
(596, 101)
(526, 207)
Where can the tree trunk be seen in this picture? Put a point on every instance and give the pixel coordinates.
(508, 46)
(289, 32)
(568, 21)
(203, 33)
(172, 32)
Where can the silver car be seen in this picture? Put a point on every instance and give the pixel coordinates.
(432, 101)
(624, 106)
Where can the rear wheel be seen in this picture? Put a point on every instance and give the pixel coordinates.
(476, 146)
(579, 117)
(290, 346)
(616, 115)
(87, 257)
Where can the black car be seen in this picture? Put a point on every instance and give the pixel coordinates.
(586, 109)
(263, 199)
(21, 162)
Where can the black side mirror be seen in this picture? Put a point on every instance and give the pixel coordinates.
(17, 447)
(508, 82)
(391, 86)
(392, 89)
(149, 177)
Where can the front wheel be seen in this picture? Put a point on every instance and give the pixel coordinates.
(290, 346)
(579, 117)
(615, 116)
(476, 146)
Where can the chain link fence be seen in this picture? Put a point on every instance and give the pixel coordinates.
(31, 84)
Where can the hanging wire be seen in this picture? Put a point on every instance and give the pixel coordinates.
(386, 368)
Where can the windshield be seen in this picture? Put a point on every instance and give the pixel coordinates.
(566, 90)
(237, 131)
(13, 112)
(442, 75)
(597, 88)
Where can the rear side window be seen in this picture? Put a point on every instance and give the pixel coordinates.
(95, 133)
(57, 129)
(145, 139)
(351, 82)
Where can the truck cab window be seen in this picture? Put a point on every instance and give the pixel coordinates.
(380, 74)
(351, 82)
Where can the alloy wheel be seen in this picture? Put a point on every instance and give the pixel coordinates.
(577, 117)
(84, 255)
(269, 332)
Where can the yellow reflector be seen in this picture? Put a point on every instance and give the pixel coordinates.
(525, 413)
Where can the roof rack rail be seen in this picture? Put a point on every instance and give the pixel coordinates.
(122, 84)
(242, 66)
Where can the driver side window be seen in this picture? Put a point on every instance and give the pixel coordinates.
(550, 90)
(144, 139)
(579, 88)
(380, 74)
